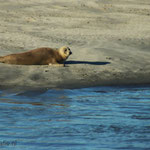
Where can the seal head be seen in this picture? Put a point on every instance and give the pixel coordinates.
(65, 52)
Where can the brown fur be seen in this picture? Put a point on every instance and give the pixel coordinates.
(39, 56)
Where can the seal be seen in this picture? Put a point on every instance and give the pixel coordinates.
(39, 56)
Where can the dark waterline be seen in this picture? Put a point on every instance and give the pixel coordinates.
(107, 118)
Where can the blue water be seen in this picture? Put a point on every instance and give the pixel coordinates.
(101, 118)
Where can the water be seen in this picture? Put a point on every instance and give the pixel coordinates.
(102, 118)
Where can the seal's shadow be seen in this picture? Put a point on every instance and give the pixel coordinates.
(87, 62)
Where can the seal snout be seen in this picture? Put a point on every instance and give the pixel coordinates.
(70, 53)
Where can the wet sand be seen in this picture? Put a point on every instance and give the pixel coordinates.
(109, 41)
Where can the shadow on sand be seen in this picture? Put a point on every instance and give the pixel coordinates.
(87, 62)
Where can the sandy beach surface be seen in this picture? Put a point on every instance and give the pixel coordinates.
(110, 41)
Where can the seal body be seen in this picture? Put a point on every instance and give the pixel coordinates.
(39, 56)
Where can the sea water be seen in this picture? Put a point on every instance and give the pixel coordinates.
(100, 118)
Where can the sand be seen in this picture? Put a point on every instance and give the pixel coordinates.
(110, 41)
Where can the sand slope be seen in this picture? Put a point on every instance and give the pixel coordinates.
(110, 41)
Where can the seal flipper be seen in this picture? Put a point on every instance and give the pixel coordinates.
(1, 59)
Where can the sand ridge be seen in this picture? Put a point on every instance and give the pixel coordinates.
(109, 41)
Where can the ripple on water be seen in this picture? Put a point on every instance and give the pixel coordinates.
(107, 118)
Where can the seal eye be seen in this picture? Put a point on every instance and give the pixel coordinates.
(65, 51)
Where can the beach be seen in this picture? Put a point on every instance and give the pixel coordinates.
(110, 41)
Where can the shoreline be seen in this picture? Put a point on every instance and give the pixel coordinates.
(23, 89)
(80, 80)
